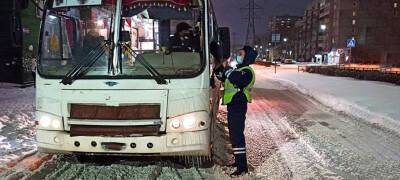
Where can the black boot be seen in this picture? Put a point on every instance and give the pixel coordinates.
(239, 172)
(241, 164)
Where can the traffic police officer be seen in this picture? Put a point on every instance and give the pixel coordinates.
(238, 83)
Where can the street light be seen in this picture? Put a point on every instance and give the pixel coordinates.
(323, 27)
(286, 47)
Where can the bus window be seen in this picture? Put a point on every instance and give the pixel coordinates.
(167, 38)
(51, 46)
(70, 34)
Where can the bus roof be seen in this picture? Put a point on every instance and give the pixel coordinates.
(129, 3)
(177, 2)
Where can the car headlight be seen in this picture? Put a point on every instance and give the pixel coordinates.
(48, 121)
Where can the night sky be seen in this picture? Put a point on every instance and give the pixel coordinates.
(229, 14)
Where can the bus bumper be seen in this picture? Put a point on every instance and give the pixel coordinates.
(170, 144)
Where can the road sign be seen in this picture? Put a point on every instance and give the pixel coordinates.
(276, 38)
(351, 43)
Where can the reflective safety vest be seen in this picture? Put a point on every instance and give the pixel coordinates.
(230, 89)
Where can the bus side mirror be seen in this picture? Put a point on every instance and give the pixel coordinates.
(216, 50)
(225, 41)
(125, 37)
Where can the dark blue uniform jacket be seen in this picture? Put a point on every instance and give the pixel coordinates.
(242, 78)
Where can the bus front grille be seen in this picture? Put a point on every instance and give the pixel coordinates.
(113, 131)
(128, 112)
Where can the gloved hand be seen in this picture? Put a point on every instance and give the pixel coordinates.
(219, 73)
(227, 71)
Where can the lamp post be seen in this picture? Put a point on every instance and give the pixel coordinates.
(285, 40)
(322, 29)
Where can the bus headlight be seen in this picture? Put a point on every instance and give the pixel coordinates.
(48, 121)
(188, 122)
(44, 121)
(175, 123)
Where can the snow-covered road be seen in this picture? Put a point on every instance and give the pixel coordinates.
(314, 141)
(67, 167)
(16, 122)
(289, 136)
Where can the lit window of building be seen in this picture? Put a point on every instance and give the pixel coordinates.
(354, 21)
(395, 5)
(354, 13)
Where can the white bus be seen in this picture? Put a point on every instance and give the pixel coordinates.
(127, 77)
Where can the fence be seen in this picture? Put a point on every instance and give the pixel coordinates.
(363, 72)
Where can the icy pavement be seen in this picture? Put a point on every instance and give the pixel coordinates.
(314, 141)
(375, 102)
(16, 122)
(67, 167)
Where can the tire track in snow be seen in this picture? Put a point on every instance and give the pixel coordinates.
(351, 147)
(300, 158)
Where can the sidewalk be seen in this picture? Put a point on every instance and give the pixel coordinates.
(375, 102)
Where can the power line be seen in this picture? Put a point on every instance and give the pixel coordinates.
(251, 29)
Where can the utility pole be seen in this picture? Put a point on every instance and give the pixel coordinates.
(233, 42)
(251, 29)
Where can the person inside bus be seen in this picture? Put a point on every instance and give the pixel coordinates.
(92, 40)
(184, 39)
(237, 86)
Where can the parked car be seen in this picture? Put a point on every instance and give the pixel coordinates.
(300, 60)
(277, 60)
(289, 61)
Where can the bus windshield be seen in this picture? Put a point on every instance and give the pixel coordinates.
(166, 35)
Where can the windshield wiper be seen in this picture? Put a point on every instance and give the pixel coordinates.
(83, 67)
(150, 69)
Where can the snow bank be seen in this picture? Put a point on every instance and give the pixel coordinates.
(375, 102)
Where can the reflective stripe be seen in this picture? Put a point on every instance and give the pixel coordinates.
(238, 149)
(231, 90)
(239, 152)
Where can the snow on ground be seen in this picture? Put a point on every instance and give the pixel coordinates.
(16, 122)
(67, 167)
(376, 102)
(314, 141)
